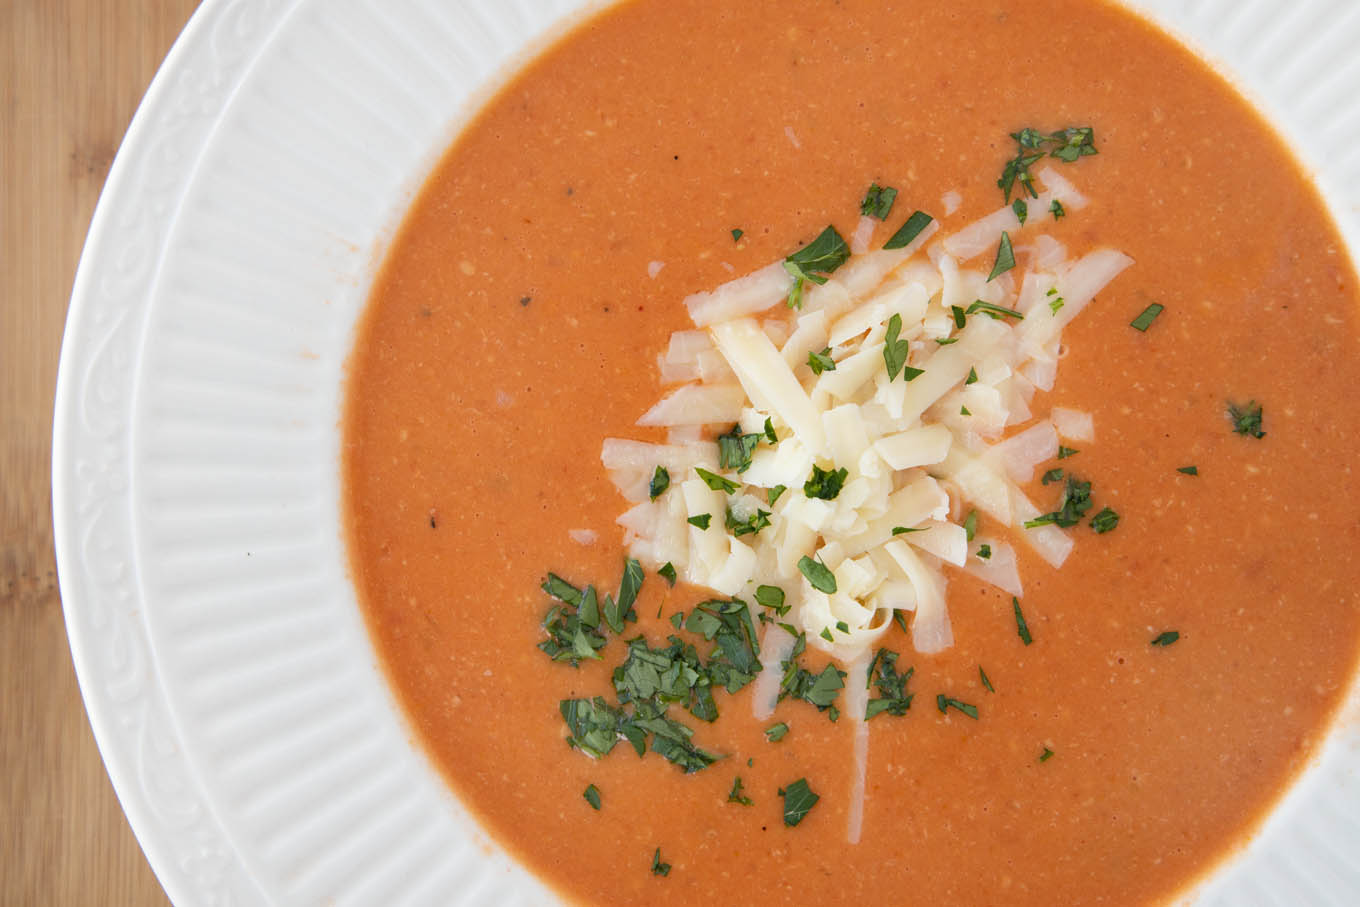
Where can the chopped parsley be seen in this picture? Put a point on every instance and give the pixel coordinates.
(918, 221)
(960, 316)
(573, 626)
(1066, 145)
(592, 795)
(772, 597)
(984, 552)
(892, 697)
(1057, 209)
(1065, 452)
(1053, 475)
(1021, 628)
(822, 579)
(825, 484)
(1105, 521)
(826, 634)
(1005, 257)
(903, 530)
(821, 362)
(1149, 315)
(715, 481)
(667, 572)
(1188, 470)
(814, 261)
(963, 411)
(1246, 419)
(735, 795)
(661, 480)
(749, 526)
(894, 349)
(972, 377)
(995, 311)
(775, 732)
(659, 868)
(774, 493)
(1166, 638)
(798, 801)
(1072, 506)
(1046, 755)
(985, 681)
(797, 682)
(737, 234)
(1055, 302)
(701, 520)
(1021, 210)
(945, 341)
(970, 524)
(735, 448)
(878, 201)
(945, 703)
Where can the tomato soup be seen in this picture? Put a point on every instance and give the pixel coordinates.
(516, 323)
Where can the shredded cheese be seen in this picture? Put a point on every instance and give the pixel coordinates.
(916, 455)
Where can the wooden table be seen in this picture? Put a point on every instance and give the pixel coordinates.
(73, 72)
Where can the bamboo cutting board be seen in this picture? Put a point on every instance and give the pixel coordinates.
(73, 72)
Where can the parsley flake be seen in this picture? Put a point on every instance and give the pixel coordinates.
(667, 572)
(984, 552)
(894, 349)
(878, 201)
(715, 481)
(892, 698)
(1046, 755)
(1246, 419)
(736, 448)
(1105, 521)
(701, 520)
(1149, 315)
(1166, 638)
(918, 221)
(659, 868)
(1021, 628)
(798, 801)
(821, 362)
(774, 493)
(735, 795)
(737, 234)
(985, 681)
(821, 579)
(592, 795)
(1021, 210)
(775, 732)
(661, 480)
(1065, 452)
(825, 484)
(814, 261)
(945, 703)
(1188, 470)
(1057, 209)
(1005, 257)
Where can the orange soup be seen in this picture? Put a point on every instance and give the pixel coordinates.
(516, 324)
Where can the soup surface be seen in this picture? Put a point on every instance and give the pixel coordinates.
(516, 323)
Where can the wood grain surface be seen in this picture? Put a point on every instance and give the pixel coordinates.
(73, 72)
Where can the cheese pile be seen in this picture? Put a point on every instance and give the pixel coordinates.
(919, 454)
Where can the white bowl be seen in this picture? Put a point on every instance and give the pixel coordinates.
(231, 683)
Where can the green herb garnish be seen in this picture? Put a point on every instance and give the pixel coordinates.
(715, 481)
(945, 703)
(822, 579)
(592, 795)
(1057, 209)
(985, 681)
(659, 868)
(667, 572)
(893, 697)
(1065, 452)
(700, 521)
(903, 530)
(737, 234)
(1046, 755)
(1188, 470)
(772, 597)
(814, 261)
(1005, 258)
(984, 552)
(995, 311)
(1021, 210)
(1053, 475)
(1066, 145)
(1246, 419)
(749, 526)
(1149, 315)
(825, 484)
(821, 362)
(661, 480)
(735, 448)
(1072, 506)
(918, 221)
(1104, 521)
(894, 349)
(972, 377)
(970, 524)
(878, 201)
(735, 795)
(1021, 628)
(798, 801)
(773, 494)
(1166, 638)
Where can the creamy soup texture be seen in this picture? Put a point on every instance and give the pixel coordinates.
(516, 322)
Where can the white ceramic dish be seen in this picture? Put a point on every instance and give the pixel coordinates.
(228, 676)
